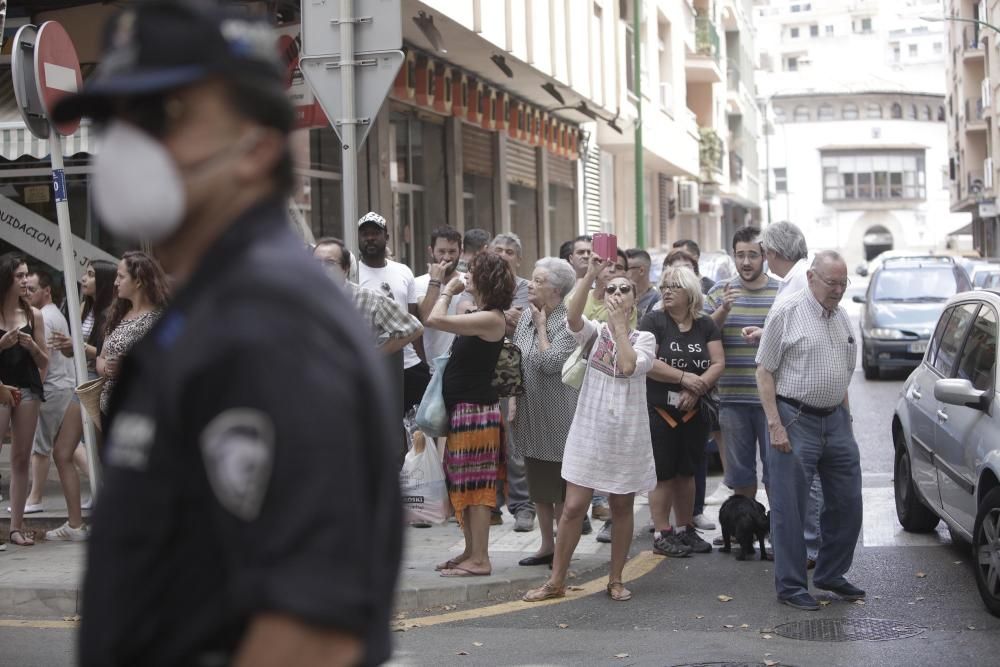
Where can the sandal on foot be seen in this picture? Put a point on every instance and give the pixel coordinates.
(544, 592)
(449, 564)
(618, 592)
(22, 541)
(459, 571)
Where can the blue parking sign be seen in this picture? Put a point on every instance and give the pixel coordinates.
(59, 184)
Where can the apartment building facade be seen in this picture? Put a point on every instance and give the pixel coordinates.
(972, 77)
(509, 115)
(855, 148)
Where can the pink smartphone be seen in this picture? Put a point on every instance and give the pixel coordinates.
(605, 245)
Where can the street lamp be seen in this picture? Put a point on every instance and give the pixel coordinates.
(958, 19)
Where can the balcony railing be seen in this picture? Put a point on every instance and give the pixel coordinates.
(667, 98)
(706, 38)
(974, 110)
(970, 37)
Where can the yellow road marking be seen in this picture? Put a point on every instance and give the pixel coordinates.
(43, 625)
(643, 563)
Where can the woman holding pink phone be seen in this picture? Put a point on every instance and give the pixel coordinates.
(608, 448)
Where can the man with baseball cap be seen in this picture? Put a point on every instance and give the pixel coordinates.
(216, 540)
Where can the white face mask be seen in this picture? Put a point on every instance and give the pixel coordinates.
(138, 190)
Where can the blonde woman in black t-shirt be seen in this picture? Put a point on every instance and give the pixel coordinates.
(690, 360)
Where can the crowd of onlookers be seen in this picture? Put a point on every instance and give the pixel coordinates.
(661, 370)
(38, 402)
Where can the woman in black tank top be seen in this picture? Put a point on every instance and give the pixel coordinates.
(473, 459)
(23, 357)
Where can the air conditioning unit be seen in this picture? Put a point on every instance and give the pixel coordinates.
(988, 173)
(687, 195)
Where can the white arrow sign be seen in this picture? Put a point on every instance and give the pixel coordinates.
(374, 76)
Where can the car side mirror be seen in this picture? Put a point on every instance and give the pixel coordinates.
(955, 391)
(857, 298)
(861, 271)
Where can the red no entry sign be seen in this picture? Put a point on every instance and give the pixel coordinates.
(57, 70)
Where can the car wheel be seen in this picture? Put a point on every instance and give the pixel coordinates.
(914, 516)
(871, 372)
(986, 545)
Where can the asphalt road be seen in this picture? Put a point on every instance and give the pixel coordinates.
(920, 584)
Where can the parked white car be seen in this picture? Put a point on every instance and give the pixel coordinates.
(946, 434)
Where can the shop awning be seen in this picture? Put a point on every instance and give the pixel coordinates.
(15, 139)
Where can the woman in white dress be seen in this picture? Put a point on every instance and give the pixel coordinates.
(608, 448)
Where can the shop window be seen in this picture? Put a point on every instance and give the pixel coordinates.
(417, 176)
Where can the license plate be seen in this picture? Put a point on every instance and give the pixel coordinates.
(920, 347)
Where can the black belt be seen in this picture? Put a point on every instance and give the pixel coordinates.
(808, 409)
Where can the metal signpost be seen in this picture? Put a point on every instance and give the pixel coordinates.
(45, 67)
(350, 59)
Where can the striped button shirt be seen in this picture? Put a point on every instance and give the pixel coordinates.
(738, 383)
(810, 351)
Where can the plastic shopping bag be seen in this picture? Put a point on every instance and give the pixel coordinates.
(422, 484)
(432, 415)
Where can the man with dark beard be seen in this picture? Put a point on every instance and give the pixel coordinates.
(395, 280)
(445, 250)
(739, 306)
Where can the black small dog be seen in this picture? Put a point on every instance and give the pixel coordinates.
(744, 519)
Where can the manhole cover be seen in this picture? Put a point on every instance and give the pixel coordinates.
(847, 630)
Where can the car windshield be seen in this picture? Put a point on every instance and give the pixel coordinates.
(916, 284)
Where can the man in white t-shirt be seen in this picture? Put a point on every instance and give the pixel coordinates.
(377, 272)
(445, 251)
(60, 381)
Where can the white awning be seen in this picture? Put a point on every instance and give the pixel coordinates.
(15, 139)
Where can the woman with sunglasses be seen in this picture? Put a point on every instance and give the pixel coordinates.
(689, 362)
(608, 448)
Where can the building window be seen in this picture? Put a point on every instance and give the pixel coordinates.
(801, 114)
(779, 114)
(849, 112)
(897, 110)
(419, 185)
(630, 58)
(940, 115)
(791, 64)
(913, 50)
(926, 113)
(873, 110)
(794, 32)
(895, 53)
(825, 112)
(911, 112)
(866, 25)
(873, 175)
(780, 180)
(814, 31)
(937, 48)
(829, 30)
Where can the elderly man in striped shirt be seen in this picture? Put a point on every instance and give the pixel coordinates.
(739, 306)
(805, 362)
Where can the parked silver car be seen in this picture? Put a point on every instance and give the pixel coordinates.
(946, 434)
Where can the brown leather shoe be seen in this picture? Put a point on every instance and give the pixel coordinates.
(496, 519)
(544, 592)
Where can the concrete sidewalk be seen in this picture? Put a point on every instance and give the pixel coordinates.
(44, 580)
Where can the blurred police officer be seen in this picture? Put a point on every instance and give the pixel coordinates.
(242, 521)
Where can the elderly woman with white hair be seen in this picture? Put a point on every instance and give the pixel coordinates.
(689, 361)
(545, 412)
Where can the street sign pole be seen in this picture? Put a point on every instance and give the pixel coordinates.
(348, 126)
(72, 299)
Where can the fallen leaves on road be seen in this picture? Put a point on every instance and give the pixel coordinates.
(728, 626)
(449, 607)
(958, 562)
(744, 626)
(575, 588)
(477, 643)
(919, 598)
(700, 616)
(771, 663)
(75, 618)
(621, 656)
(767, 636)
(971, 627)
(725, 598)
(921, 575)
(860, 603)
(563, 626)
(824, 603)
(461, 653)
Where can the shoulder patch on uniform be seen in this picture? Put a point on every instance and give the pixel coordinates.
(238, 450)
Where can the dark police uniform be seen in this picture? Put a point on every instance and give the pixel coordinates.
(248, 467)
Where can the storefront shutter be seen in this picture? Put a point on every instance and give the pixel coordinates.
(477, 151)
(592, 190)
(562, 171)
(522, 168)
